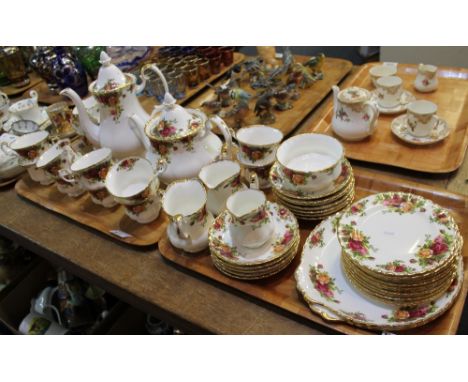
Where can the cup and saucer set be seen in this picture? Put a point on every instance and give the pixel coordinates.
(389, 95)
(25, 116)
(421, 125)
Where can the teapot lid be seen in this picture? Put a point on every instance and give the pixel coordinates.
(109, 76)
(171, 122)
(353, 95)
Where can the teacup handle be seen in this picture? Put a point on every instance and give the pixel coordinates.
(226, 134)
(64, 174)
(4, 97)
(178, 220)
(252, 179)
(161, 166)
(7, 150)
(33, 94)
(374, 114)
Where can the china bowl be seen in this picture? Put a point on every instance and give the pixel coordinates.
(309, 162)
(258, 144)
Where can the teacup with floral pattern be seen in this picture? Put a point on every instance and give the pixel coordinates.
(184, 202)
(251, 225)
(58, 158)
(134, 183)
(258, 144)
(422, 118)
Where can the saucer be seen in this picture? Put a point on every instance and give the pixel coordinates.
(321, 280)
(405, 99)
(401, 130)
(284, 237)
(43, 124)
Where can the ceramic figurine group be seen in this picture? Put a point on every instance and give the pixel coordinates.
(356, 110)
(275, 84)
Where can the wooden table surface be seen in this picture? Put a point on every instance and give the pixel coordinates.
(142, 278)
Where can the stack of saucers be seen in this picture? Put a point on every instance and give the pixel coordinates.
(311, 177)
(237, 261)
(399, 248)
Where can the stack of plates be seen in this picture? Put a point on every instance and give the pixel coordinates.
(250, 264)
(320, 204)
(328, 291)
(399, 248)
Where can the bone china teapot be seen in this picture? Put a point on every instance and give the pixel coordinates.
(115, 93)
(354, 115)
(182, 137)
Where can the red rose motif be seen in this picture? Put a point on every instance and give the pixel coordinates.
(439, 246)
(357, 247)
(287, 237)
(400, 268)
(323, 288)
(168, 131)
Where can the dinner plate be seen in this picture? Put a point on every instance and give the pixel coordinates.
(398, 227)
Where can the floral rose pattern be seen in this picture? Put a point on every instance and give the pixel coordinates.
(433, 250)
(316, 239)
(111, 99)
(282, 244)
(356, 242)
(356, 315)
(166, 128)
(342, 115)
(440, 216)
(400, 203)
(235, 183)
(358, 208)
(343, 175)
(126, 164)
(96, 174)
(397, 266)
(410, 313)
(257, 153)
(323, 283)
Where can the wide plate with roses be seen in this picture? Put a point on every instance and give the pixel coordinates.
(284, 237)
(325, 288)
(397, 227)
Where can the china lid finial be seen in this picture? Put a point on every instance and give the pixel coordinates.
(104, 59)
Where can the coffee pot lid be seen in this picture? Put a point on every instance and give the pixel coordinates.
(109, 76)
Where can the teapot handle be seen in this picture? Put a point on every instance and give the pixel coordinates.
(226, 133)
(373, 113)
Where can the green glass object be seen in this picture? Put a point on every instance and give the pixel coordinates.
(89, 58)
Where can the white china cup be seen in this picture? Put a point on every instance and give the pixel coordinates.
(58, 158)
(90, 171)
(221, 180)
(250, 225)
(389, 90)
(422, 118)
(29, 148)
(309, 162)
(426, 79)
(134, 183)
(185, 203)
(28, 109)
(258, 143)
(384, 70)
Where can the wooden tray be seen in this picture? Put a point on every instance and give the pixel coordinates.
(84, 211)
(12, 91)
(280, 290)
(385, 148)
(334, 70)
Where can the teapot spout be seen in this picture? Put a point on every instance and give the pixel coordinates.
(90, 129)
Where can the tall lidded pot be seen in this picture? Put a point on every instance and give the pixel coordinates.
(116, 95)
(182, 137)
